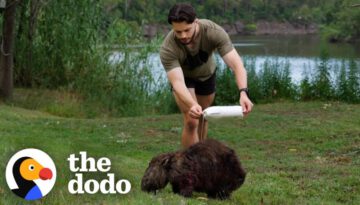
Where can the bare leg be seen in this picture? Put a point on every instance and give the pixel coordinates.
(191, 132)
(205, 101)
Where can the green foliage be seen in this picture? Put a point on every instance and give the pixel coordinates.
(349, 82)
(64, 39)
(228, 10)
(306, 89)
(344, 24)
(272, 82)
(70, 42)
(322, 85)
(275, 80)
(226, 89)
(343, 91)
(56, 102)
(331, 33)
(304, 14)
(342, 19)
(126, 86)
(70, 51)
(250, 28)
(253, 80)
(354, 81)
(123, 33)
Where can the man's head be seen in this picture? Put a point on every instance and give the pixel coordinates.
(182, 12)
(182, 17)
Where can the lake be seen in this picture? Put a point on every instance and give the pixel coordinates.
(298, 46)
(300, 51)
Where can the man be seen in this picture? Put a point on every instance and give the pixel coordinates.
(187, 56)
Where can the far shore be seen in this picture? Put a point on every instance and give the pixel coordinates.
(240, 28)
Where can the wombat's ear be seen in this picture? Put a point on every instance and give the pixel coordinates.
(167, 161)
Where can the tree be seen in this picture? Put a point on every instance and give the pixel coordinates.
(6, 56)
(29, 11)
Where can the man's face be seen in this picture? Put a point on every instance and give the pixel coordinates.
(184, 32)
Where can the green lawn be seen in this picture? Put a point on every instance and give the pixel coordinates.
(294, 153)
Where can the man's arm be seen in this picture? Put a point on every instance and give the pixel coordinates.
(176, 78)
(233, 60)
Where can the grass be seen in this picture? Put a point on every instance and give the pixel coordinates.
(294, 153)
(57, 102)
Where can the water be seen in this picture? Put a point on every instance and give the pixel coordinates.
(296, 46)
(300, 51)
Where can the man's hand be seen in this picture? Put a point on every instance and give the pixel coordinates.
(245, 103)
(233, 60)
(195, 111)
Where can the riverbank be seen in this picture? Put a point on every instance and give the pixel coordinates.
(241, 28)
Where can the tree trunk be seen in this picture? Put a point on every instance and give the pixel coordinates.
(225, 7)
(21, 30)
(6, 54)
(34, 10)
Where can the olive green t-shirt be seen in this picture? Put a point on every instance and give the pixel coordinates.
(198, 62)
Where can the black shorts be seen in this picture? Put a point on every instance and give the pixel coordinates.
(206, 87)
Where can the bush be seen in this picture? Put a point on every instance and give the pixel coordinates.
(348, 83)
(250, 28)
(272, 82)
(322, 87)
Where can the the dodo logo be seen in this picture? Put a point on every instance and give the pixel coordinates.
(31, 174)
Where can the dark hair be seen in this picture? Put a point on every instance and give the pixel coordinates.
(181, 12)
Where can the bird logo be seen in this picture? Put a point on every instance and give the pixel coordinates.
(30, 174)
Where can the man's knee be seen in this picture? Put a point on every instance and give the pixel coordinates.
(205, 101)
(191, 123)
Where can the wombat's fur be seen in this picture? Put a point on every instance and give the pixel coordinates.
(208, 166)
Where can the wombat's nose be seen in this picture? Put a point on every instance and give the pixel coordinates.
(146, 185)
